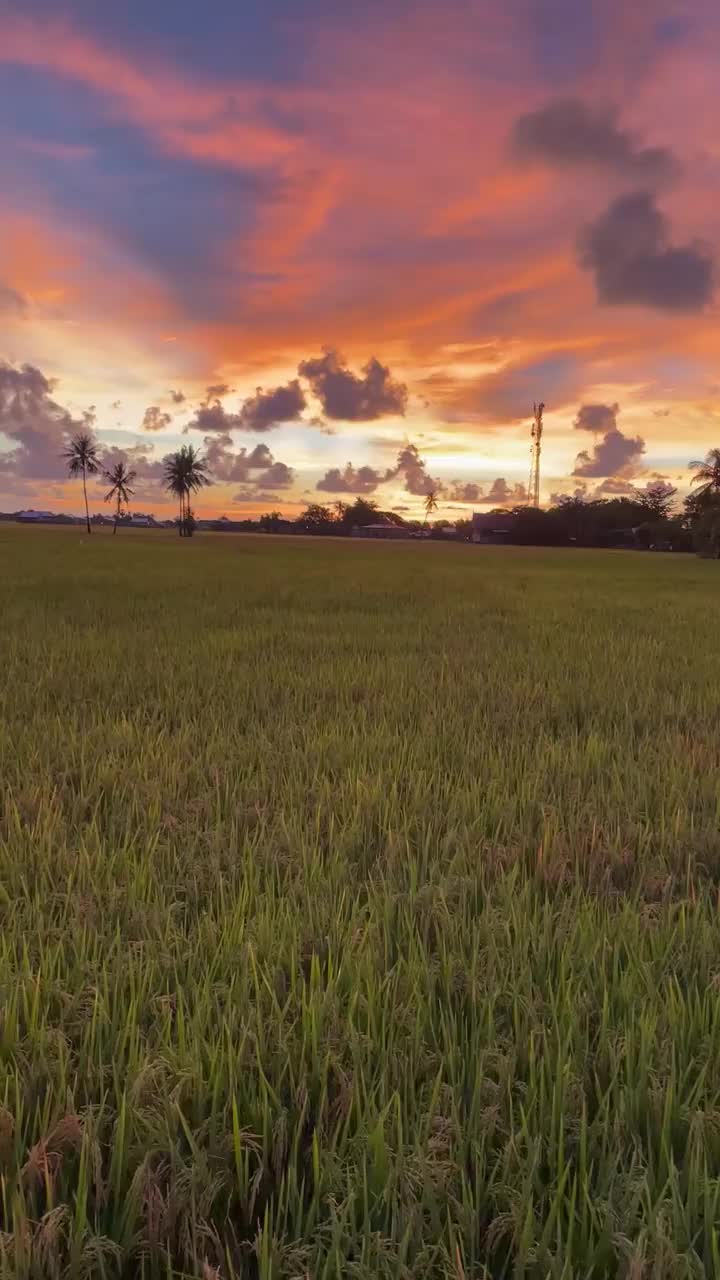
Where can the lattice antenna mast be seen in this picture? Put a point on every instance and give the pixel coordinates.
(535, 449)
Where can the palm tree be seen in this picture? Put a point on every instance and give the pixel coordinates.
(431, 504)
(120, 480)
(707, 474)
(82, 459)
(185, 473)
(174, 478)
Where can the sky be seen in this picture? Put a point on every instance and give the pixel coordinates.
(343, 249)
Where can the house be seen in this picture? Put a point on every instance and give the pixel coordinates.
(46, 517)
(141, 522)
(379, 531)
(492, 529)
(34, 517)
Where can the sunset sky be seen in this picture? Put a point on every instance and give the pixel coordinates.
(341, 248)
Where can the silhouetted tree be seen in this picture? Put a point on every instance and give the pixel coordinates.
(702, 506)
(361, 512)
(81, 457)
(316, 519)
(629, 520)
(431, 504)
(573, 514)
(270, 522)
(185, 472)
(706, 533)
(659, 499)
(120, 479)
(174, 480)
(707, 474)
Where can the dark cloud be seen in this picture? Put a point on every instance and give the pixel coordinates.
(177, 397)
(501, 494)
(37, 427)
(255, 495)
(346, 397)
(216, 391)
(614, 488)
(616, 455)
(255, 467)
(267, 409)
(413, 470)
(580, 494)
(597, 417)
(351, 480)
(569, 133)
(227, 464)
(628, 252)
(116, 404)
(262, 412)
(154, 419)
(461, 491)
(277, 476)
(11, 302)
(410, 467)
(214, 417)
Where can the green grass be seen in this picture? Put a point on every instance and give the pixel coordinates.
(358, 910)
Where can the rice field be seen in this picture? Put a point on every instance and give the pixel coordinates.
(359, 910)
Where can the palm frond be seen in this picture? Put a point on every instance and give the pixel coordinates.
(81, 455)
(185, 471)
(120, 479)
(707, 471)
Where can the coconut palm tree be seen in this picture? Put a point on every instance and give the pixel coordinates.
(82, 459)
(707, 474)
(431, 504)
(174, 479)
(120, 479)
(185, 473)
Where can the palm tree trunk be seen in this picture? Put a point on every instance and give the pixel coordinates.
(87, 511)
(181, 526)
(117, 516)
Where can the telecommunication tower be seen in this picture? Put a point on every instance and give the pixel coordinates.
(535, 448)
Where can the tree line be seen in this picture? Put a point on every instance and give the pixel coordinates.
(644, 519)
(647, 517)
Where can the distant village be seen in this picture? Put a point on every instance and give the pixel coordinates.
(389, 527)
(620, 523)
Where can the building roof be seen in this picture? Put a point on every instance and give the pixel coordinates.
(499, 522)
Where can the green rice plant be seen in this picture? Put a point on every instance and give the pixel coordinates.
(359, 910)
